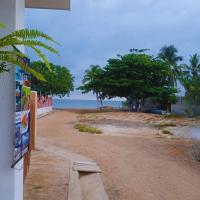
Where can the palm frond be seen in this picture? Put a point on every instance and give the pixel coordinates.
(29, 34)
(17, 61)
(3, 67)
(19, 54)
(28, 38)
(30, 43)
(43, 57)
(2, 25)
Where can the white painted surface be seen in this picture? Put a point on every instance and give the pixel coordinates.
(46, 110)
(11, 180)
(19, 187)
(20, 11)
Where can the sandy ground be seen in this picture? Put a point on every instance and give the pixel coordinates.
(137, 162)
(48, 177)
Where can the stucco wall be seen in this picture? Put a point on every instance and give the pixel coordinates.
(187, 110)
(184, 108)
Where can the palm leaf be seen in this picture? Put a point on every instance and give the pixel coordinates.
(29, 34)
(2, 25)
(43, 57)
(17, 61)
(19, 54)
(30, 43)
(26, 38)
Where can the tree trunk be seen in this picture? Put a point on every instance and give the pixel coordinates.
(169, 107)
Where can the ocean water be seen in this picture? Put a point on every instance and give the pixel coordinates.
(84, 104)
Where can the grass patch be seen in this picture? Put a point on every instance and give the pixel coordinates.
(166, 132)
(37, 187)
(163, 125)
(87, 128)
(174, 116)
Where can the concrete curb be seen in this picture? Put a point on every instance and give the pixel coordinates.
(83, 185)
(74, 189)
(86, 185)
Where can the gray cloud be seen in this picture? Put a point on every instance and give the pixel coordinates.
(95, 30)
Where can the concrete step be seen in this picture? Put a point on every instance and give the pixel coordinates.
(85, 166)
(85, 182)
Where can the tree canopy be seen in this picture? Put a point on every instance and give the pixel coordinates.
(134, 76)
(93, 81)
(170, 55)
(191, 79)
(58, 82)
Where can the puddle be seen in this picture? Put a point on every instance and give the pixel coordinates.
(115, 127)
(187, 132)
(114, 130)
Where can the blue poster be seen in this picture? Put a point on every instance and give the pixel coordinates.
(22, 115)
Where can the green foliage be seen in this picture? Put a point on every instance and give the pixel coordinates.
(134, 76)
(166, 96)
(9, 52)
(93, 81)
(3, 68)
(58, 82)
(2, 25)
(169, 55)
(191, 80)
(163, 125)
(88, 129)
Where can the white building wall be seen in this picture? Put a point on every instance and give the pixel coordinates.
(11, 180)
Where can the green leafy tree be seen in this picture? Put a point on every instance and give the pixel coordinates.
(134, 76)
(169, 55)
(137, 77)
(9, 52)
(193, 69)
(92, 81)
(58, 82)
(191, 79)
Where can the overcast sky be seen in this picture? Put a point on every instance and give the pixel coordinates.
(95, 30)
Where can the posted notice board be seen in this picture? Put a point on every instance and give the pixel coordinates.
(22, 114)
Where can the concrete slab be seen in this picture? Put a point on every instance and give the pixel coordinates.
(89, 167)
(82, 184)
(74, 192)
(92, 187)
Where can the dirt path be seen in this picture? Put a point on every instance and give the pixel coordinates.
(48, 177)
(140, 166)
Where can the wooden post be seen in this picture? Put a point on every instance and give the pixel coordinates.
(33, 122)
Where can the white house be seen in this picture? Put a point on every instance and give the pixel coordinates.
(12, 14)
